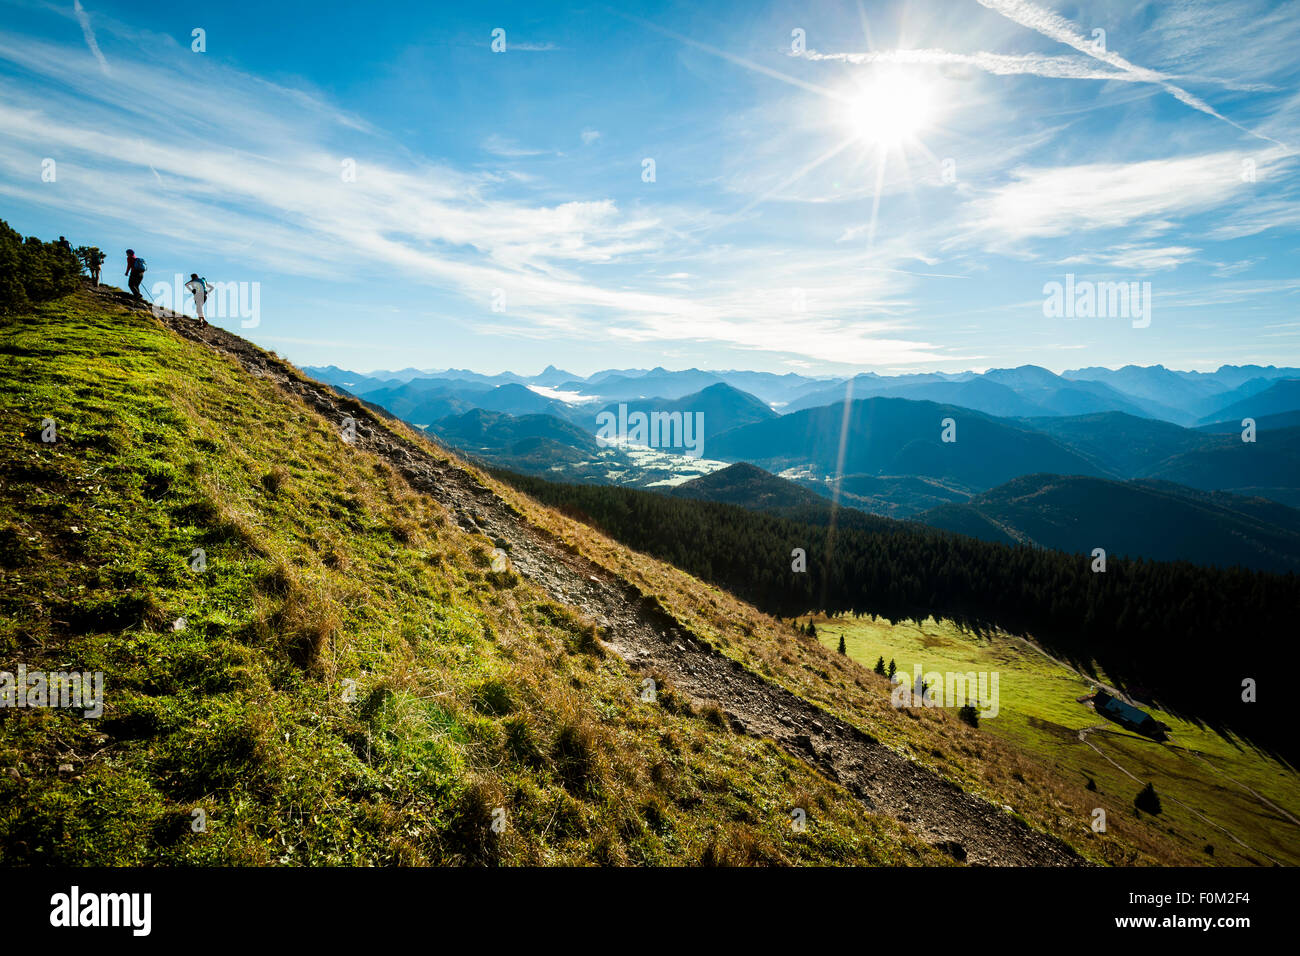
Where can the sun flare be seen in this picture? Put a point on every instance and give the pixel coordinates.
(888, 111)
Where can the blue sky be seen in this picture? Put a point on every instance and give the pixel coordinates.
(893, 196)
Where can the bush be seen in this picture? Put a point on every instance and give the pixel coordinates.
(33, 271)
(91, 259)
(969, 714)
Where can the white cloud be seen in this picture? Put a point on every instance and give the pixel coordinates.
(1136, 258)
(1143, 197)
(499, 145)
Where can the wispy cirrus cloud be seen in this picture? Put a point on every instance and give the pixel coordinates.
(1136, 258)
(193, 168)
(1143, 197)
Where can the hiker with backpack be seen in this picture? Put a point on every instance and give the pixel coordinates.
(135, 268)
(198, 287)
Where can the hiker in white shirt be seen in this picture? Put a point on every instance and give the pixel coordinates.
(199, 289)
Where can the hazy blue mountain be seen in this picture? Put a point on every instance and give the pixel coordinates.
(424, 401)
(1020, 392)
(465, 375)
(656, 383)
(775, 390)
(1121, 445)
(1150, 519)
(551, 376)
(1154, 383)
(479, 430)
(1262, 423)
(1234, 376)
(1187, 397)
(516, 399)
(723, 407)
(1274, 397)
(1223, 462)
(353, 382)
(892, 436)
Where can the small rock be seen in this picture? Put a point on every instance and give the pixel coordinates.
(65, 768)
(179, 624)
(816, 725)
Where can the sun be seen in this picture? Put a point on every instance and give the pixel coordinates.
(889, 110)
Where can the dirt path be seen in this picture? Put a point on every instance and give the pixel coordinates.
(937, 811)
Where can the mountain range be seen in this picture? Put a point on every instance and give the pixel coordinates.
(1020, 454)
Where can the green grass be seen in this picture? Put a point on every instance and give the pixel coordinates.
(1039, 715)
(473, 690)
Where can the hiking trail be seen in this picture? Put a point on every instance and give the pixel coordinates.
(969, 828)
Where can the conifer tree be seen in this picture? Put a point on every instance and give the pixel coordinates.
(1148, 800)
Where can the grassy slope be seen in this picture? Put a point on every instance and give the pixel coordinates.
(1037, 774)
(474, 690)
(1039, 714)
(323, 565)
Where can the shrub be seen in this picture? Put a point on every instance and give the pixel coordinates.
(91, 259)
(33, 271)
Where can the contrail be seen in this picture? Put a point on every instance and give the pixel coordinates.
(89, 34)
(1004, 64)
(1057, 28)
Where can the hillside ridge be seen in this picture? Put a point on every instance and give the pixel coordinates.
(639, 630)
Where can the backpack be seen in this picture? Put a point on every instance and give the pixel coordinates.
(137, 265)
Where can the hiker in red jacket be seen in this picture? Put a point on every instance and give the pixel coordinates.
(135, 271)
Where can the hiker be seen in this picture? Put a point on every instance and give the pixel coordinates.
(67, 246)
(198, 288)
(135, 270)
